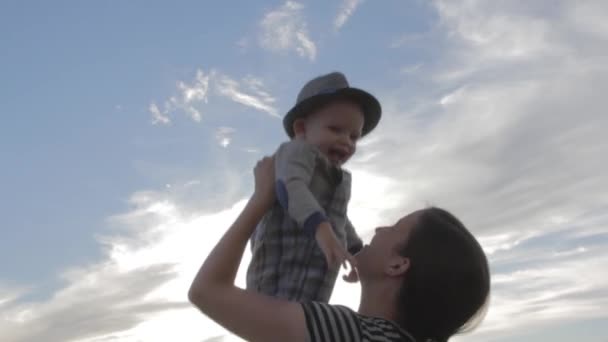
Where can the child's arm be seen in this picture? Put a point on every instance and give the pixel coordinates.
(354, 244)
(295, 163)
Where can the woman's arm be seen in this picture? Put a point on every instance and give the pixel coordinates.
(250, 315)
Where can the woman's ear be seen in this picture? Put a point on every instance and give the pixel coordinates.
(299, 128)
(398, 266)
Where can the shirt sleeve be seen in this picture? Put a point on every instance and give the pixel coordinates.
(353, 241)
(295, 163)
(325, 323)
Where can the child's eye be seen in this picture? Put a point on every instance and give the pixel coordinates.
(334, 128)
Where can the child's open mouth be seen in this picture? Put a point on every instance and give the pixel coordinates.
(337, 155)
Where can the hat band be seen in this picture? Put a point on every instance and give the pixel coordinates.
(327, 91)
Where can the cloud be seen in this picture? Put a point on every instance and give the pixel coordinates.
(588, 17)
(158, 116)
(545, 281)
(507, 131)
(197, 92)
(10, 294)
(256, 98)
(347, 9)
(509, 34)
(409, 38)
(223, 136)
(410, 69)
(249, 91)
(285, 29)
(97, 300)
(189, 99)
(138, 291)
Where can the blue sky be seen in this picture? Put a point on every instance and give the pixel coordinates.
(129, 130)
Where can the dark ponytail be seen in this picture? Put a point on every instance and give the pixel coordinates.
(447, 285)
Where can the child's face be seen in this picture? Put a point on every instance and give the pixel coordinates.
(334, 130)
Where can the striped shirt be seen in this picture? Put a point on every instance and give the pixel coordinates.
(336, 323)
(286, 260)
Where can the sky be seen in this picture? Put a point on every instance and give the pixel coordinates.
(130, 129)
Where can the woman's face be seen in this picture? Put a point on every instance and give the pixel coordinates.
(375, 258)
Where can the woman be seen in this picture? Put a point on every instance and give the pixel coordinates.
(424, 278)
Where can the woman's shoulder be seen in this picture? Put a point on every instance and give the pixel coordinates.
(384, 329)
(326, 322)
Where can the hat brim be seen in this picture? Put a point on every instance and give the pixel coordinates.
(370, 105)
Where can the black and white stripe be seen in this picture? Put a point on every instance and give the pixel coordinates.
(337, 323)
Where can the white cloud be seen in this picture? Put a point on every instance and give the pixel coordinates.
(190, 97)
(408, 38)
(97, 299)
(255, 97)
(223, 136)
(502, 34)
(347, 9)
(138, 292)
(410, 69)
(510, 137)
(251, 150)
(158, 116)
(539, 283)
(285, 29)
(10, 294)
(588, 17)
(198, 91)
(193, 94)
(249, 91)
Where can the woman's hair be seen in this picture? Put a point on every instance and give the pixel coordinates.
(447, 285)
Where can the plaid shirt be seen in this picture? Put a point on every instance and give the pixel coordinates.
(286, 259)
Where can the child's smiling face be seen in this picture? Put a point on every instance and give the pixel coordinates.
(334, 129)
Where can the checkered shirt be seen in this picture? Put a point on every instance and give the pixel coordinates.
(286, 259)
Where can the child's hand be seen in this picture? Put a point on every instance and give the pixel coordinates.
(352, 277)
(335, 253)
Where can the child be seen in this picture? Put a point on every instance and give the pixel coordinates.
(299, 245)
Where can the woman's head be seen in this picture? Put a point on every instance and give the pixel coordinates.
(442, 271)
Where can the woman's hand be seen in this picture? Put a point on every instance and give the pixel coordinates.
(264, 193)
